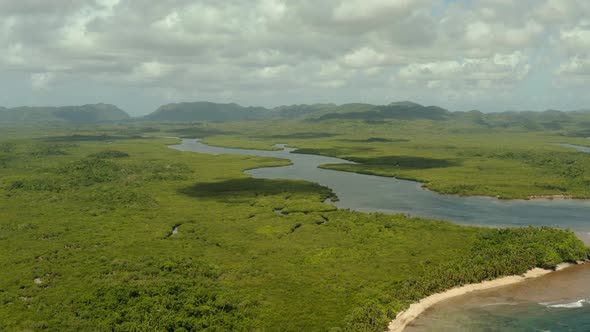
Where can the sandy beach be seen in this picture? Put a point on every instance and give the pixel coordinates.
(415, 309)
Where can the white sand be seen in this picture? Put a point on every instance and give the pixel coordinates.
(415, 309)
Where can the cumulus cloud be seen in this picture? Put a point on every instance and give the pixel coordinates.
(574, 43)
(561, 11)
(41, 81)
(354, 10)
(574, 72)
(251, 50)
(575, 66)
(364, 57)
(575, 39)
(152, 70)
(500, 71)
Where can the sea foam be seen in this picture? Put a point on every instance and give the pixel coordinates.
(576, 304)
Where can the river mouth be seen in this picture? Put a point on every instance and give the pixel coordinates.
(370, 193)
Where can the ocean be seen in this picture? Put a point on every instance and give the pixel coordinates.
(558, 301)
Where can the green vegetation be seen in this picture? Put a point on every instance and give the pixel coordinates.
(400, 110)
(575, 124)
(104, 230)
(206, 111)
(107, 154)
(504, 158)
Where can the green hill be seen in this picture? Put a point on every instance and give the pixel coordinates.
(206, 111)
(298, 111)
(399, 110)
(572, 123)
(93, 113)
(403, 110)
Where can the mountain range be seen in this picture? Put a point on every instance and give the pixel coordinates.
(217, 112)
(93, 113)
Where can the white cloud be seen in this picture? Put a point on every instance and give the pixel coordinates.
(42, 81)
(561, 11)
(576, 66)
(486, 73)
(271, 48)
(169, 22)
(574, 72)
(14, 55)
(364, 57)
(366, 9)
(575, 39)
(272, 10)
(152, 70)
(479, 32)
(75, 33)
(272, 72)
(523, 36)
(108, 3)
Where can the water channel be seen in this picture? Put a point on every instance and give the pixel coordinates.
(369, 193)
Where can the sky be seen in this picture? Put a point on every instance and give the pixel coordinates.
(490, 55)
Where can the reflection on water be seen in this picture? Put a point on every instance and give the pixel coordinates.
(369, 193)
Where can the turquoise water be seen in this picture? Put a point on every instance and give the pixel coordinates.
(556, 302)
(520, 317)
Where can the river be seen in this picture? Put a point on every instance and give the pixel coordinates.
(369, 193)
(556, 302)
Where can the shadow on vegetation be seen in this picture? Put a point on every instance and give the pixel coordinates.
(579, 133)
(376, 140)
(46, 150)
(302, 135)
(383, 112)
(249, 187)
(553, 125)
(7, 147)
(109, 154)
(335, 152)
(200, 132)
(148, 130)
(134, 131)
(409, 162)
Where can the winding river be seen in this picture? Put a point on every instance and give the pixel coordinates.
(559, 301)
(369, 193)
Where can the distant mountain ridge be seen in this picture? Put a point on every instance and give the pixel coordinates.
(208, 111)
(90, 113)
(572, 123)
(399, 110)
(225, 112)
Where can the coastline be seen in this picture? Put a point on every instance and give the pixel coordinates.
(552, 197)
(416, 309)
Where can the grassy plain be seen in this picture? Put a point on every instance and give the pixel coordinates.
(87, 244)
